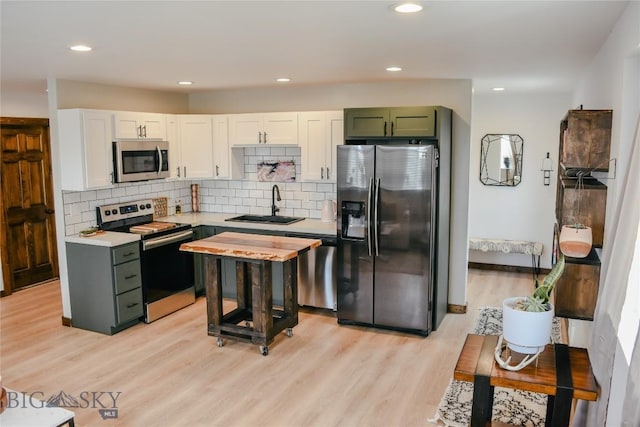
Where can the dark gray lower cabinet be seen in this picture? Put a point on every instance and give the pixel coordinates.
(200, 232)
(104, 286)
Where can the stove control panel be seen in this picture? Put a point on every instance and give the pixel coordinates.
(127, 210)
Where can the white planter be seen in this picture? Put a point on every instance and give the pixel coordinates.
(525, 331)
(575, 241)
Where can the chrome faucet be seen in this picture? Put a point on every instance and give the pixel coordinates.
(274, 208)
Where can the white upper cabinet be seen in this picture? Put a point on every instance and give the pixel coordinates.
(173, 137)
(221, 150)
(85, 149)
(263, 128)
(130, 125)
(196, 146)
(320, 133)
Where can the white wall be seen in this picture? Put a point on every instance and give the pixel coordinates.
(612, 81)
(72, 94)
(526, 211)
(451, 93)
(24, 103)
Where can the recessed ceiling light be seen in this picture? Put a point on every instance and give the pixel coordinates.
(80, 48)
(407, 7)
(394, 69)
(185, 83)
(283, 79)
(497, 89)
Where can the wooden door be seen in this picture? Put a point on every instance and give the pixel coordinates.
(28, 239)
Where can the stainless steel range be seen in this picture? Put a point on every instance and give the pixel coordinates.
(167, 273)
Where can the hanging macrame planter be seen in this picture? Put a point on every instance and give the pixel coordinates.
(575, 240)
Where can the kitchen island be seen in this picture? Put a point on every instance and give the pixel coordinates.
(254, 320)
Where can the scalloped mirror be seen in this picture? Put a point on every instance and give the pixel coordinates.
(501, 160)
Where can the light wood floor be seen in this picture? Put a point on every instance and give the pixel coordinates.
(170, 373)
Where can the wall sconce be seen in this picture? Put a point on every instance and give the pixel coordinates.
(546, 169)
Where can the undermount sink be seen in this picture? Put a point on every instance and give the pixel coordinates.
(266, 219)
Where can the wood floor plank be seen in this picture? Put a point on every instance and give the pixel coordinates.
(171, 373)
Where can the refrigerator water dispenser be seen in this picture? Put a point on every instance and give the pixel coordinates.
(354, 220)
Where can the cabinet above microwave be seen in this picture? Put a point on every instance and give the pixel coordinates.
(131, 125)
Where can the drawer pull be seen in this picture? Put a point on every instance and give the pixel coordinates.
(132, 305)
(130, 276)
(129, 254)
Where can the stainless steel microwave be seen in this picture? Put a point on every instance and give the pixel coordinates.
(140, 160)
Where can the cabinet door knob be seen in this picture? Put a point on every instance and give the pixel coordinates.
(217, 170)
(259, 137)
(327, 172)
(321, 173)
(265, 137)
(49, 211)
(178, 168)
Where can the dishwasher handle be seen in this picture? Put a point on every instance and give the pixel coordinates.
(326, 240)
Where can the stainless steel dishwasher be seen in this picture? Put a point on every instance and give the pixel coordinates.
(317, 273)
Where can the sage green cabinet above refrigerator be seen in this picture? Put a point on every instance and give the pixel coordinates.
(392, 121)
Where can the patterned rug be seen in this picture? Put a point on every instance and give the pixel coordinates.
(516, 407)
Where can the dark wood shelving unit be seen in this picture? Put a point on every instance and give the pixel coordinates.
(585, 143)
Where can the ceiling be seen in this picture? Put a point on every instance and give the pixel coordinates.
(519, 45)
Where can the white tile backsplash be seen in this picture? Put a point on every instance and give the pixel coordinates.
(246, 196)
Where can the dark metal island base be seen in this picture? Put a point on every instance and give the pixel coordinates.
(254, 320)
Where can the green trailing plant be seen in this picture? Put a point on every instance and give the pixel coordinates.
(539, 301)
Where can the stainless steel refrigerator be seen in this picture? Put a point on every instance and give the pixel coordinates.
(388, 236)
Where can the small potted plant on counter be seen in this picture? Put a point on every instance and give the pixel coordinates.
(527, 321)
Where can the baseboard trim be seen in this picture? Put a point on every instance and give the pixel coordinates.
(66, 321)
(506, 268)
(456, 309)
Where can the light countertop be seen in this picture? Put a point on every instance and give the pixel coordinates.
(108, 238)
(112, 238)
(310, 226)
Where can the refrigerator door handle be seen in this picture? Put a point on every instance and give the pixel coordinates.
(369, 199)
(375, 216)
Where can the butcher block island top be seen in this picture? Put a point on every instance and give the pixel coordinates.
(251, 246)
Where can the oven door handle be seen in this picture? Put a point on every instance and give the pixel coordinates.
(165, 240)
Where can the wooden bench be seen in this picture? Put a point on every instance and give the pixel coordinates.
(509, 247)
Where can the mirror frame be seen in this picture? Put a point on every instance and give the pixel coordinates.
(488, 179)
